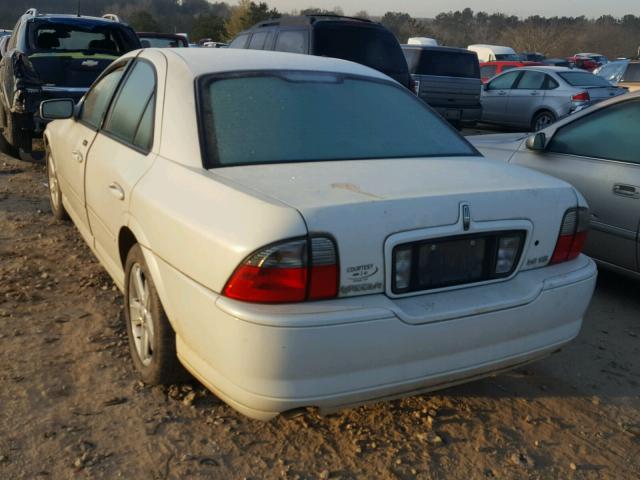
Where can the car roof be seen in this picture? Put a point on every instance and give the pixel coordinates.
(311, 19)
(73, 19)
(160, 35)
(551, 68)
(437, 48)
(201, 61)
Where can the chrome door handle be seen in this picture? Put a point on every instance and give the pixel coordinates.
(77, 156)
(623, 190)
(116, 190)
(534, 93)
(502, 92)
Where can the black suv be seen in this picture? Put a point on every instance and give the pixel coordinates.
(53, 56)
(355, 39)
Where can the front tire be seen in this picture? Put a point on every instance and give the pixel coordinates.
(152, 341)
(55, 194)
(542, 120)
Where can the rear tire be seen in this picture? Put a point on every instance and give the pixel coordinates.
(152, 341)
(5, 146)
(542, 120)
(55, 194)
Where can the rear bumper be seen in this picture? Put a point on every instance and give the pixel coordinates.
(463, 114)
(264, 360)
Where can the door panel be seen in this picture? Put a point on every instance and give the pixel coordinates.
(495, 97)
(73, 143)
(614, 218)
(112, 171)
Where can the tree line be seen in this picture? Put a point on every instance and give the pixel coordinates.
(220, 21)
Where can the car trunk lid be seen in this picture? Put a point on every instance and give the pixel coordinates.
(363, 203)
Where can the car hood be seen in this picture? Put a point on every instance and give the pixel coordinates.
(500, 146)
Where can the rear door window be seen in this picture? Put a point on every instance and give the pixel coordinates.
(447, 64)
(504, 82)
(131, 116)
(239, 42)
(531, 81)
(293, 41)
(257, 41)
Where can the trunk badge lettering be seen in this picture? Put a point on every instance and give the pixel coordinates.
(89, 63)
(466, 217)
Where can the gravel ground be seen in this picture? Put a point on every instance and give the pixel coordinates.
(72, 407)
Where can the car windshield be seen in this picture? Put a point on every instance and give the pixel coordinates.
(373, 47)
(306, 116)
(61, 37)
(507, 57)
(162, 42)
(442, 63)
(583, 79)
(633, 73)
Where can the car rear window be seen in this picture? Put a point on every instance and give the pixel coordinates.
(632, 74)
(583, 79)
(371, 46)
(507, 57)
(64, 37)
(307, 116)
(163, 42)
(442, 63)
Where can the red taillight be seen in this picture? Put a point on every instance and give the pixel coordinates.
(287, 272)
(581, 97)
(573, 234)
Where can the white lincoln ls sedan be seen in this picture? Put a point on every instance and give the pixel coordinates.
(303, 232)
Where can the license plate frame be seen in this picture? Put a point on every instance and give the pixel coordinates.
(456, 260)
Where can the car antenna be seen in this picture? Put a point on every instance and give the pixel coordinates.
(78, 11)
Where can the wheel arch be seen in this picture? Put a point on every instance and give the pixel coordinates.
(131, 235)
(541, 109)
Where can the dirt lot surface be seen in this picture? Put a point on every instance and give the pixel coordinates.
(72, 407)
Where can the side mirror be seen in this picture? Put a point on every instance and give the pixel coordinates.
(485, 86)
(537, 141)
(57, 109)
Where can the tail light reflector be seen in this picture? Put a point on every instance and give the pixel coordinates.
(573, 234)
(581, 97)
(291, 271)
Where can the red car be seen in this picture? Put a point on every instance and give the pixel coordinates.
(589, 61)
(489, 70)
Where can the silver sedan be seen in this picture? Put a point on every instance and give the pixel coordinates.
(535, 97)
(596, 150)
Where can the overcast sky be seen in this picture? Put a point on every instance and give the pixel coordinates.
(430, 8)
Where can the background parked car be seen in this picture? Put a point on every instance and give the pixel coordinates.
(597, 152)
(557, 62)
(448, 79)
(355, 39)
(535, 97)
(532, 57)
(489, 70)
(622, 73)
(162, 40)
(587, 61)
(491, 53)
(53, 56)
